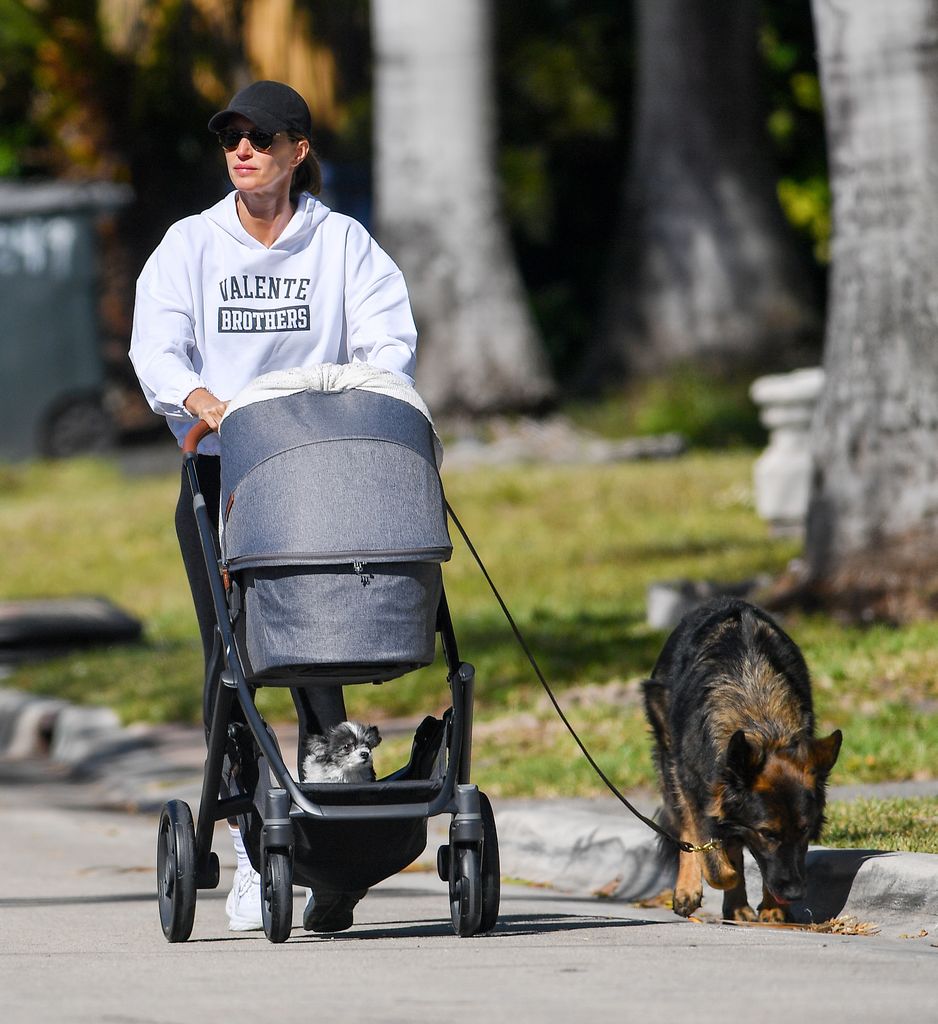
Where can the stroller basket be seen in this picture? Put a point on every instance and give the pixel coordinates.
(333, 530)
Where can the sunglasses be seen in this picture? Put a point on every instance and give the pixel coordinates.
(230, 138)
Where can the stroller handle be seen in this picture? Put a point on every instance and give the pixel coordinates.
(198, 431)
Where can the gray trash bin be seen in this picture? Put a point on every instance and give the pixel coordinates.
(51, 370)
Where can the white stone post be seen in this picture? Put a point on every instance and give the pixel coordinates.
(782, 473)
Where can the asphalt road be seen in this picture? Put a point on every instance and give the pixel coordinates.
(80, 941)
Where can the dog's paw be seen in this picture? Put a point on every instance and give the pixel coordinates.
(773, 915)
(743, 913)
(687, 901)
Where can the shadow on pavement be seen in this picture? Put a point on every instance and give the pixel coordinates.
(15, 903)
(512, 925)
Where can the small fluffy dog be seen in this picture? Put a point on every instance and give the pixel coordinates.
(342, 755)
(729, 703)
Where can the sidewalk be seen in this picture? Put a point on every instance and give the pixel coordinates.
(582, 847)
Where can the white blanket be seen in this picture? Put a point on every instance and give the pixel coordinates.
(332, 377)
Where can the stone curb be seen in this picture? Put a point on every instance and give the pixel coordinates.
(579, 847)
(67, 733)
(601, 850)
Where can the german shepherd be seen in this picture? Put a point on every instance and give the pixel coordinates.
(729, 702)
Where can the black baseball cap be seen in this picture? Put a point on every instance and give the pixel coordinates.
(272, 106)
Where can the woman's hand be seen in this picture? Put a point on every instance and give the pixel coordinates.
(206, 406)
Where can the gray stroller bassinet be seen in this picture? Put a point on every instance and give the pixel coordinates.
(332, 532)
(333, 529)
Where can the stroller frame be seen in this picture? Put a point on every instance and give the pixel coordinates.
(286, 816)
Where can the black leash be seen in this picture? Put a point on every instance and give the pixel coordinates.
(712, 844)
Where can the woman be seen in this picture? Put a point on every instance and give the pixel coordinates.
(266, 279)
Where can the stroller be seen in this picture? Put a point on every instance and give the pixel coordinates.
(333, 530)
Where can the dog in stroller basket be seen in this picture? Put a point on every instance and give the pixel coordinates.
(343, 754)
(332, 532)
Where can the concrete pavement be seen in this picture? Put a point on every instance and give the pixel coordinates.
(579, 847)
(80, 943)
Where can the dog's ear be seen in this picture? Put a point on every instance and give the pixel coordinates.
(372, 736)
(744, 759)
(824, 752)
(656, 709)
(317, 747)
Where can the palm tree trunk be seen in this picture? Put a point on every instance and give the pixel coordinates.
(872, 540)
(872, 527)
(705, 270)
(437, 206)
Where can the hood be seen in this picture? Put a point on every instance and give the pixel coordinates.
(310, 213)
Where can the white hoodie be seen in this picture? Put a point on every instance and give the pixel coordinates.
(216, 308)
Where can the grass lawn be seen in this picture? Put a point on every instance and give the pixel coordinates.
(572, 549)
(900, 824)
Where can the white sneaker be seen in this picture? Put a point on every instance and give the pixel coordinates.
(244, 902)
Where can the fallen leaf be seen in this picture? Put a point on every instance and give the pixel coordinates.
(665, 899)
(835, 926)
(608, 890)
(844, 926)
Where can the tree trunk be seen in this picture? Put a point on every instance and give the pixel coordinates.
(437, 206)
(280, 42)
(872, 542)
(705, 269)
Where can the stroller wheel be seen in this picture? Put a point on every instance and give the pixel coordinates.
(465, 889)
(277, 895)
(442, 863)
(175, 871)
(491, 870)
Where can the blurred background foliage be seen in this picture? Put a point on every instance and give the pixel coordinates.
(709, 412)
(122, 90)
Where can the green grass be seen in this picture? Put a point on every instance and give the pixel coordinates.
(572, 549)
(900, 824)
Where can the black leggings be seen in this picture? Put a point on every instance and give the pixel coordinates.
(317, 707)
(208, 468)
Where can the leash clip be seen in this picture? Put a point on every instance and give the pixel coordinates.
(711, 844)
